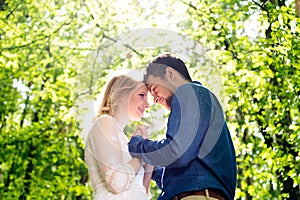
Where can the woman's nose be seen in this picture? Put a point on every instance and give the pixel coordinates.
(147, 104)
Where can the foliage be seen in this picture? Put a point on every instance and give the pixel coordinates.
(41, 151)
(261, 78)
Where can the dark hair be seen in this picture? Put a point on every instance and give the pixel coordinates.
(158, 67)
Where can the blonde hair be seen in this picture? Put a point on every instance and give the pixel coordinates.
(116, 89)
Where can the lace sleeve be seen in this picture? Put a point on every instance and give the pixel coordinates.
(107, 151)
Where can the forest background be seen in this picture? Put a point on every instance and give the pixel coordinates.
(55, 55)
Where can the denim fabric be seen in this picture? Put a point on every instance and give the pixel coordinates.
(198, 152)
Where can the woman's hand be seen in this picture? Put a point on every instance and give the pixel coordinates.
(142, 130)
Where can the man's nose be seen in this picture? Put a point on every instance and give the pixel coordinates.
(156, 99)
(153, 93)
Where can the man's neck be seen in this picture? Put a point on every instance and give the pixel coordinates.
(179, 82)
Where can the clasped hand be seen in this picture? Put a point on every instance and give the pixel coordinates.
(142, 130)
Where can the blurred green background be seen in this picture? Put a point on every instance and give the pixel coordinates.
(54, 54)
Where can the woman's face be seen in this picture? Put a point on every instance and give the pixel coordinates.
(138, 102)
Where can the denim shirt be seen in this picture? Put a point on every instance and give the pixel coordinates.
(198, 152)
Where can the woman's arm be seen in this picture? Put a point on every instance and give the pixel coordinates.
(142, 130)
(147, 177)
(107, 151)
(136, 164)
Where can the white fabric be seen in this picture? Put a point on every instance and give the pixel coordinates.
(106, 154)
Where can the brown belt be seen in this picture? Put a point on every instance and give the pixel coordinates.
(211, 193)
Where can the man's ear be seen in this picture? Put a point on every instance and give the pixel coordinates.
(169, 73)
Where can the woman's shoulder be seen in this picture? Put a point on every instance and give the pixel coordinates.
(105, 121)
(104, 118)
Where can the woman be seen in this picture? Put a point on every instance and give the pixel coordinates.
(114, 174)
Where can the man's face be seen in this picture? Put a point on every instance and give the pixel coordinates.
(160, 90)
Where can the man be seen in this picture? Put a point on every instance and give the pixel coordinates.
(197, 156)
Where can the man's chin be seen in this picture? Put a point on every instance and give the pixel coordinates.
(167, 107)
(168, 102)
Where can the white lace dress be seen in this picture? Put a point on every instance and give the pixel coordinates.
(106, 155)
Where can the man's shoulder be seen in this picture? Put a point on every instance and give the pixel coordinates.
(189, 85)
(195, 85)
(199, 87)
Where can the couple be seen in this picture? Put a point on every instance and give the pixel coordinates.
(196, 160)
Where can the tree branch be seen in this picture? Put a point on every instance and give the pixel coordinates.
(42, 38)
(261, 6)
(112, 39)
(24, 111)
(297, 5)
(12, 11)
(234, 53)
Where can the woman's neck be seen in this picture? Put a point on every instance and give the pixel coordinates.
(122, 120)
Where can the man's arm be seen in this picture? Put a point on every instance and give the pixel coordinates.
(190, 111)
